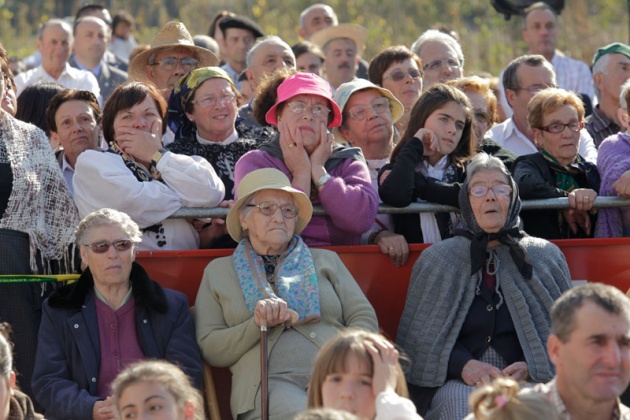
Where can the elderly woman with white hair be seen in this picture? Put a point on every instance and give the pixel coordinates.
(112, 316)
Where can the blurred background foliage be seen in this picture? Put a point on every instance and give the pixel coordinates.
(489, 41)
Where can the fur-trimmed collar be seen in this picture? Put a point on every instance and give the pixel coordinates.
(146, 292)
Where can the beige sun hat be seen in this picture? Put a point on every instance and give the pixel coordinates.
(267, 179)
(357, 33)
(346, 90)
(173, 34)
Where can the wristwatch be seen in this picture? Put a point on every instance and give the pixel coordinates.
(157, 156)
(322, 180)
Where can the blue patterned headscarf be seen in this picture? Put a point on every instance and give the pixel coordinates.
(183, 92)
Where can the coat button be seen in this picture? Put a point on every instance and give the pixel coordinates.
(313, 335)
(489, 308)
(76, 325)
(145, 321)
(93, 379)
(488, 339)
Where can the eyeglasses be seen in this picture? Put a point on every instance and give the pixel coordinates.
(300, 108)
(170, 63)
(534, 89)
(437, 65)
(211, 101)
(556, 128)
(101, 247)
(378, 106)
(268, 208)
(482, 190)
(399, 75)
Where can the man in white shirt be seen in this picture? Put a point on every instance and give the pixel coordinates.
(54, 42)
(442, 57)
(523, 78)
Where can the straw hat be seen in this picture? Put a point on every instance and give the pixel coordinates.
(173, 34)
(267, 179)
(345, 91)
(357, 33)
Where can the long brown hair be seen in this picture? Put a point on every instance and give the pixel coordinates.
(430, 101)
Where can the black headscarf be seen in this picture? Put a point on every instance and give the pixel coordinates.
(479, 239)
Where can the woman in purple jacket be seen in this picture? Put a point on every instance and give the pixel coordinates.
(333, 176)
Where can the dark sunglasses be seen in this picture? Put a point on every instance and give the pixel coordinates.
(101, 247)
(398, 75)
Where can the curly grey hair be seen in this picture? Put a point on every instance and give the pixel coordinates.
(108, 217)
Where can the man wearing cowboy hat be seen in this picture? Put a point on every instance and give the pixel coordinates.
(172, 55)
(342, 45)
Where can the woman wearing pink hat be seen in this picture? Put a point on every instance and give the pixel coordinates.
(333, 176)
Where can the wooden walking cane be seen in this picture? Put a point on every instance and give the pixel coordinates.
(264, 392)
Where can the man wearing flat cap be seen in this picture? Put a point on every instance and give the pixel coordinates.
(239, 35)
(611, 68)
(342, 45)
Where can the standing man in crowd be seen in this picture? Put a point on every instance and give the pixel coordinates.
(239, 35)
(441, 55)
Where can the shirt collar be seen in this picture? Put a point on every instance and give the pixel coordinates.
(231, 139)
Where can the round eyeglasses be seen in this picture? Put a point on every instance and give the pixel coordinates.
(300, 108)
(170, 63)
(482, 190)
(378, 106)
(268, 208)
(210, 101)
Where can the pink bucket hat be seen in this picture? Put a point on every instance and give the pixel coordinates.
(304, 84)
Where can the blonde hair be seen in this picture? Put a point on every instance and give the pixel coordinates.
(481, 86)
(332, 358)
(502, 400)
(549, 100)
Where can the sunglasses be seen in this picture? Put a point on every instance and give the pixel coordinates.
(399, 75)
(101, 247)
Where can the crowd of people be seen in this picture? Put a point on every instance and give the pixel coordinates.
(102, 140)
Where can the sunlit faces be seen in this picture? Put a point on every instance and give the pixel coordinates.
(308, 124)
(141, 116)
(309, 63)
(112, 267)
(90, 41)
(408, 89)
(372, 134)
(482, 120)
(440, 63)
(448, 124)
(215, 122)
(341, 61)
(55, 47)
(564, 145)
(165, 79)
(617, 72)
(269, 235)
(530, 80)
(593, 365)
(149, 400)
(315, 20)
(267, 58)
(77, 129)
(237, 42)
(541, 32)
(350, 390)
(490, 210)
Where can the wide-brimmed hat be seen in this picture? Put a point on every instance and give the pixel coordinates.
(345, 91)
(267, 179)
(173, 34)
(357, 33)
(304, 84)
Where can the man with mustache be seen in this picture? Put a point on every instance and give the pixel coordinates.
(342, 45)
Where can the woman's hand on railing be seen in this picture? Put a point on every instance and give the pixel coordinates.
(393, 245)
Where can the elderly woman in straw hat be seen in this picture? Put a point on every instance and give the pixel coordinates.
(333, 176)
(273, 279)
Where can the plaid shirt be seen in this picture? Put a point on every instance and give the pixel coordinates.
(573, 75)
(621, 412)
(600, 126)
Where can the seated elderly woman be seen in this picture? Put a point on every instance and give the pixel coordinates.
(112, 316)
(141, 178)
(556, 117)
(333, 176)
(202, 113)
(305, 296)
(487, 315)
(156, 388)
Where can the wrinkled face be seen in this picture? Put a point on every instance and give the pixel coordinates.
(351, 390)
(142, 116)
(316, 20)
(77, 129)
(55, 47)
(269, 232)
(341, 61)
(163, 78)
(308, 123)
(541, 32)
(214, 111)
(618, 71)
(440, 63)
(148, 400)
(530, 80)
(237, 42)
(593, 365)
(482, 120)
(448, 124)
(408, 89)
(110, 268)
(490, 210)
(310, 63)
(374, 134)
(269, 57)
(564, 145)
(91, 40)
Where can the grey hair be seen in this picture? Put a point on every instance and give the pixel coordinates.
(108, 217)
(601, 66)
(315, 6)
(608, 298)
(625, 89)
(54, 22)
(485, 162)
(438, 36)
(510, 80)
(269, 39)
